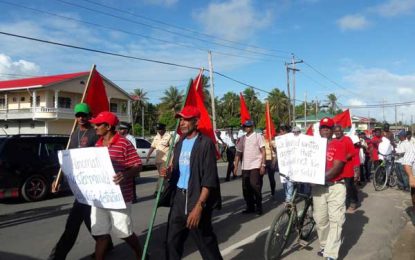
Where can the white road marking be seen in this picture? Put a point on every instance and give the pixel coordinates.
(245, 241)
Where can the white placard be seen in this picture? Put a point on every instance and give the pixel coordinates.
(302, 158)
(89, 173)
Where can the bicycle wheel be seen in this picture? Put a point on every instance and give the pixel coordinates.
(392, 180)
(277, 238)
(308, 223)
(224, 156)
(379, 178)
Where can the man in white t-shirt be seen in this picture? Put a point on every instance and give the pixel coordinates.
(252, 147)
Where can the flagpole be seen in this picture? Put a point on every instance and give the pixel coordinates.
(55, 184)
(161, 180)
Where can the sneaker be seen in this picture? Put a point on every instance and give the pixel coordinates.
(330, 258)
(259, 212)
(321, 252)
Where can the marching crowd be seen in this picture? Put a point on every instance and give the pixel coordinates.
(192, 187)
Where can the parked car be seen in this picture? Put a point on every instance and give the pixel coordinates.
(28, 165)
(143, 147)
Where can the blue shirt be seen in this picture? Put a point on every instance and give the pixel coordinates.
(184, 162)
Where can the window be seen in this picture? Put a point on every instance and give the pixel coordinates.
(64, 102)
(31, 100)
(114, 107)
(14, 99)
(141, 143)
(22, 99)
(2, 103)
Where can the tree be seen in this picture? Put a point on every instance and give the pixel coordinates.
(227, 110)
(255, 106)
(172, 99)
(140, 101)
(278, 106)
(332, 103)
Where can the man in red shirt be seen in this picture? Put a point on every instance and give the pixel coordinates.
(126, 165)
(374, 147)
(328, 200)
(348, 170)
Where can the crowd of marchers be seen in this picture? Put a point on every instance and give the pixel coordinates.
(192, 187)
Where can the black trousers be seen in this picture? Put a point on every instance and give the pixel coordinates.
(177, 233)
(252, 189)
(230, 154)
(80, 213)
(351, 192)
(271, 175)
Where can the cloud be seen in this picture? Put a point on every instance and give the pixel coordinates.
(377, 86)
(233, 20)
(356, 102)
(10, 69)
(167, 3)
(394, 8)
(353, 22)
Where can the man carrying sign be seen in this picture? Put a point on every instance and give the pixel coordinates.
(83, 136)
(126, 165)
(329, 199)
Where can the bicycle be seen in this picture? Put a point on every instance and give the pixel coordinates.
(290, 220)
(223, 155)
(385, 174)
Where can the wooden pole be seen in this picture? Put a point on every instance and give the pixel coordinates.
(56, 183)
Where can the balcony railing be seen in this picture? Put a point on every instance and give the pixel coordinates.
(44, 113)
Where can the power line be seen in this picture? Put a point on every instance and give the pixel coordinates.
(98, 51)
(131, 33)
(166, 30)
(182, 28)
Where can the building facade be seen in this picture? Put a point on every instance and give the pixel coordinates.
(44, 105)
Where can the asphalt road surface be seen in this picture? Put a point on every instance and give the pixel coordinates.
(30, 230)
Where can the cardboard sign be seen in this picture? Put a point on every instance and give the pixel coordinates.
(302, 158)
(89, 173)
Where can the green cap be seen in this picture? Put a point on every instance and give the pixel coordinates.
(82, 108)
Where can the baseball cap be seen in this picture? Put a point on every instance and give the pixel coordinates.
(248, 123)
(188, 112)
(124, 125)
(296, 129)
(402, 133)
(105, 117)
(82, 108)
(327, 122)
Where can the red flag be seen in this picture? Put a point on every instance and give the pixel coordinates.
(96, 96)
(343, 119)
(195, 98)
(309, 130)
(244, 110)
(269, 124)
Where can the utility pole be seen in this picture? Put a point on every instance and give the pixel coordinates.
(396, 116)
(383, 109)
(305, 109)
(212, 92)
(142, 121)
(316, 108)
(288, 94)
(293, 69)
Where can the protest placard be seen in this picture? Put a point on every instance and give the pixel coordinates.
(89, 173)
(302, 158)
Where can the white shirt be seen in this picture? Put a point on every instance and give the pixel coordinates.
(403, 147)
(227, 140)
(132, 140)
(385, 148)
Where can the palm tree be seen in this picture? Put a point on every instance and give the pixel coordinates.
(140, 101)
(228, 110)
(255, 106)
(332, 103)
(278, 105)
(172, 99)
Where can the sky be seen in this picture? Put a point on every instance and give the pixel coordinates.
(359, 50)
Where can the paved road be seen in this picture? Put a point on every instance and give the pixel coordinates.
(30, 230)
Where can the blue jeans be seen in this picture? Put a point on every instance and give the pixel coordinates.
(288, 189)
(402, 178)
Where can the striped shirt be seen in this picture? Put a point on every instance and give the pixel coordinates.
(409, 159)
(123, 156)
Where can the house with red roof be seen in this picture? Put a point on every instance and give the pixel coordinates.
(44, 105)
